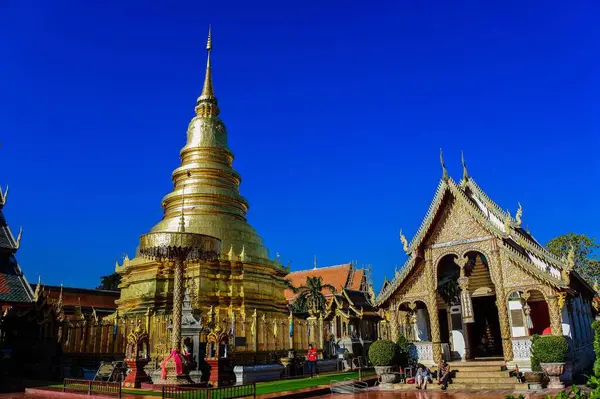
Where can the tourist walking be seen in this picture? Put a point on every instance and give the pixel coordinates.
(312, 361)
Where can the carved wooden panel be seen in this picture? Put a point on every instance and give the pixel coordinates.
(455, 224)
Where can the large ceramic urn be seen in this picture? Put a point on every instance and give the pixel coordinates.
(554, 371)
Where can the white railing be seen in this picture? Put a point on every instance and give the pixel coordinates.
(521, 348)
(422, 351)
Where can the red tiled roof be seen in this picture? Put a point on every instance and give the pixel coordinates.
(337, 276)
(357, 279)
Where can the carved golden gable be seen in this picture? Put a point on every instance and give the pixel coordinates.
(455, 224)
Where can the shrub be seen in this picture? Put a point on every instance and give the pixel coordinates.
(596, 327)
(535, 361)
(549, 349)
(403, 350)
(383, 353)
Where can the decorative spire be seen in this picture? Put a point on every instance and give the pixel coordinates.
(315, 263)
(207, 102)
(464, 165)
(444, 171)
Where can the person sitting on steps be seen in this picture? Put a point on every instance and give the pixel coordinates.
(422, 377)
(443, 374)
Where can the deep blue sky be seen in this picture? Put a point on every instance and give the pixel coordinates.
(336, 112)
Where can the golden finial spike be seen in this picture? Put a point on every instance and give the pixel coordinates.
(207, 89)
(209, 41)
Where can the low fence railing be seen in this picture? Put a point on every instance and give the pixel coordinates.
(228, 392)
(366, 372)
(92, 387)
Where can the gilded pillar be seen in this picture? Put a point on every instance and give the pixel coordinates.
(320, 343)
(501, 302)
(291, 328)
(434, 322)
(554, 313)
(394, 324)
(177, 304)
(253, 331)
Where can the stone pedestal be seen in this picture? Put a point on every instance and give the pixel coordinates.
(137, 375)
(221, 372)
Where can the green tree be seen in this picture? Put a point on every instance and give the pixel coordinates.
(585, 248)
(110, 282)
(310, 296)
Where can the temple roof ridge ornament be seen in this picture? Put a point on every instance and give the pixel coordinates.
(3, 197)
(404, 242)
(445, 175)
(519, 215)
(465, 177)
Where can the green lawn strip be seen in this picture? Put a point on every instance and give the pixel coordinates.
(293, 384)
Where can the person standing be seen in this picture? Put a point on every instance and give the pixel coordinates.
(312, 361)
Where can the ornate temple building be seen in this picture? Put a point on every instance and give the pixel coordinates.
(476, 284)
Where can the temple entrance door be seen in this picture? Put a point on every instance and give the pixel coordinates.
(484, 333)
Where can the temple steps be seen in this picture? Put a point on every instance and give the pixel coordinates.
(477, 375)
(483, 374)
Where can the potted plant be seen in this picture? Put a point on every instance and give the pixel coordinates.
(404, 357)
(535, 378)
(383, 354)
(551, 352)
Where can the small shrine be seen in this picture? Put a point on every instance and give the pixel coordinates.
(218, 358)
(137, 356)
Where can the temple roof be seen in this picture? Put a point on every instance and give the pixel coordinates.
(7, 240)
(520, 245)
(14, 287)
(353, 304)
(339, 276)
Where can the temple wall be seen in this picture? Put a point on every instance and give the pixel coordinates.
(254, 334)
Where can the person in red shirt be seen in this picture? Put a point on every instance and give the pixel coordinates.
(311, 356)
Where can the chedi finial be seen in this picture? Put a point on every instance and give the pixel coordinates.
(444, 171)
(207, 102)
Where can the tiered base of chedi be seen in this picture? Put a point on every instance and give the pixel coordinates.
(204, 245)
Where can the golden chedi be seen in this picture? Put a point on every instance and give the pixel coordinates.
(206, 196)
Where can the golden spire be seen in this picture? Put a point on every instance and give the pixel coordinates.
(207, 102)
